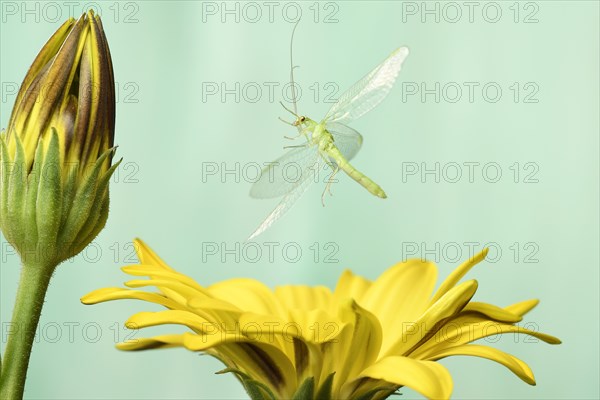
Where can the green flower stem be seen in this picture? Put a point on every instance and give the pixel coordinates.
(33, 285)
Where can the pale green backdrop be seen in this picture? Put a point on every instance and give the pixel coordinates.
(540, 215)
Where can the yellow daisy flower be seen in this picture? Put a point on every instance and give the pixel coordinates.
(363, 340)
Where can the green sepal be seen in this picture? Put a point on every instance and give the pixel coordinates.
(325, 390)
(255, 389)
(82, 242)
(4, 179)
(29, 217)
(69, 191)
(375, 393)
(17, 182)
(49, 199)
(82, 205)
(97, 219)
(306, 391)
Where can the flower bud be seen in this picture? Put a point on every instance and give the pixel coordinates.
(57, 149)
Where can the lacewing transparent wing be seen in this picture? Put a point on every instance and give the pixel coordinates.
(368, 92)
(281, 176)
(347, 139)
(309, 175)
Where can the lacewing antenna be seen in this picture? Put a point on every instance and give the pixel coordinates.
(292, 66)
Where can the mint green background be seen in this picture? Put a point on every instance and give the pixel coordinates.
(170, 131)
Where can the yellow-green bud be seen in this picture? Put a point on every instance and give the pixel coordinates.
(55, 155)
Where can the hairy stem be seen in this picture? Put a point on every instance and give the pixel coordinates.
(21, 333)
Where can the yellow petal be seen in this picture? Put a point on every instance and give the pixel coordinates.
(357, 345)
(429, 378)
(156, 342)
(153, 271)
(517, 366)
(457, 274)
(108, 294)
(469, 327)
(413, 334)
(248, 295)
(522, 307)
(351, 286)
(269, 329)
(206, 303)
(400, 295)
(300, 338)
(212, 339)
(148, 256)
(266, 363)
(173, 289)
(179, 317)
(220, 313)
(493, 312)
(304, 297)
(316, 326)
